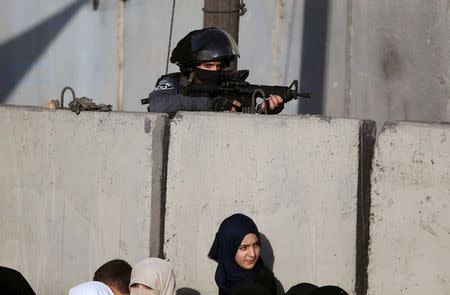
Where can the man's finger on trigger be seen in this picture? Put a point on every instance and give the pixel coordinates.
(271, 103)
(276, 99)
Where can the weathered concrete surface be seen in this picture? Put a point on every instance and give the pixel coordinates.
(410, 222)
(46, 45)
(147, 35)
(296, 176)
(400, 66)
(275, 56)
(77, 191)
(380, 60)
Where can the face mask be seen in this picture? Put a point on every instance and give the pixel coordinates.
(207, 77)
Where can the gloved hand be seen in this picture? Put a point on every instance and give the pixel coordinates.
(220, 104)
(276, 105)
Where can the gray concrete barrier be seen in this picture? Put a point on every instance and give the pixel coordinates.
(77, 191)
(410, 222)
(300, 178)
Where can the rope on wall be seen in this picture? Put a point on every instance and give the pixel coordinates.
(170, 35)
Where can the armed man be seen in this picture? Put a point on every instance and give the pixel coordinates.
(202, 56)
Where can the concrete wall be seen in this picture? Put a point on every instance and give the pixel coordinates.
(114, 53)
(400, 64)
(297, 177)
(379, 60)
(147, 35)
(277, 50)
(410, 223)
(77, 191)
(47, 45)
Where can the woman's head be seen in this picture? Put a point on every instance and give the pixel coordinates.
(236, 249)
(236, 239)
(248, 251)
(152, 276)
(311, 289)
(91, 288)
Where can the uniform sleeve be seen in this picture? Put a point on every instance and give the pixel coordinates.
(166, 99)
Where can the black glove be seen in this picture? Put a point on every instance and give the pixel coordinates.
(220, 104)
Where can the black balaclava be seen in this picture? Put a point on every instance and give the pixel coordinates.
(223, 250)
(208, 77)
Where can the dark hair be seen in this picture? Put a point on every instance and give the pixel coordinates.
(310, 289)
(13, 282)
(329, 290)
(115, 273)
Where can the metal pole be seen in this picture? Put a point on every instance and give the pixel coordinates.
(223, 14)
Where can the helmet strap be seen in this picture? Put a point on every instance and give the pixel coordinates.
(191, 77)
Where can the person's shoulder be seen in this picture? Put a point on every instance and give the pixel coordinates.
(266, 278)
(264, 272)
(168, 81)
(262, 284)
(250, 288)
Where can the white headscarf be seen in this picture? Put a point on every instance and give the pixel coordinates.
(154, 273)
(91, 288)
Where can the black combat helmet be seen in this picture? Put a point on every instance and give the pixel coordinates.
(204, 45)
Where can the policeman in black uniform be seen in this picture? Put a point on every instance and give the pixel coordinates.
(201, 55)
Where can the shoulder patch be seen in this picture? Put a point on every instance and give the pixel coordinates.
(164, 84)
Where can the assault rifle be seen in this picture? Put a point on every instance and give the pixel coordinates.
(234, 86)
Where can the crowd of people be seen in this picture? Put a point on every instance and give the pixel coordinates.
(240, 270)
(202, 55)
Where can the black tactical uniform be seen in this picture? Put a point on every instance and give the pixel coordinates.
(199, 46)
(166, 98)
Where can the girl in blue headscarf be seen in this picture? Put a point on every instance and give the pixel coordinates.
(236, 249)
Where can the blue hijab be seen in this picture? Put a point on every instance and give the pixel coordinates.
(223, 250)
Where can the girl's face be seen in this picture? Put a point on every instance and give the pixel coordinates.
(248, 252)
(139, 289)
